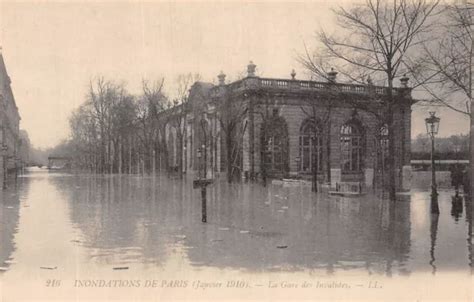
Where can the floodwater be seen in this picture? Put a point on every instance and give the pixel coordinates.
(59, 231)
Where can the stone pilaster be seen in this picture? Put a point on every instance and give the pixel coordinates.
(472, 149)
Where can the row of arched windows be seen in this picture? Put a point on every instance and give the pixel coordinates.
(311, 147)
(352, 147)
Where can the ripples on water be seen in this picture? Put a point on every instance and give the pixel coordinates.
(61, 220)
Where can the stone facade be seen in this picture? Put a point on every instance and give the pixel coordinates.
(471, 169)
(24, 150)
(9, 123)
(288, 128)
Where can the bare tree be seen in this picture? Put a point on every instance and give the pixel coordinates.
(230, 113)
(184, 83)
(445, 71)
(311, 109)
(153, 123)
(374, 39)
(98, 126)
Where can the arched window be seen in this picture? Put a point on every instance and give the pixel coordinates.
(311, 143)
(351, 147)
(171, 146)
(275, 145)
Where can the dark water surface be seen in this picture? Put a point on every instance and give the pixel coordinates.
(129, 219)
(80, 224)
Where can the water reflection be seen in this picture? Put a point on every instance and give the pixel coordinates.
(469, 215)
(131, 219)
(433, 235)
(10, 206)
(155, 222)
(456, 207)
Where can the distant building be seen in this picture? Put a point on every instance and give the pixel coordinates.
(440, 164)
(287, 128)
(9, 126)
(24, 150)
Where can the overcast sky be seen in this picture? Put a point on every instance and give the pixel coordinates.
(52, 50)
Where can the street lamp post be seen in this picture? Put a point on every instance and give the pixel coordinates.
(203, 190)
(199, 155)
(432, 126)
(457, 149)
(202, 182)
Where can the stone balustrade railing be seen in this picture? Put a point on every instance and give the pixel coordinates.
(255, 82)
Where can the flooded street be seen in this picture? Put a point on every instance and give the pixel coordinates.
(74, 228)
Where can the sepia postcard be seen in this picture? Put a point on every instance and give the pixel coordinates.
(236, 150)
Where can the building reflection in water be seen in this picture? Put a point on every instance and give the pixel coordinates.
(456, 207)
(11, 204)
(131, 219)
(125, 219)
(469, 214)
(155, 220)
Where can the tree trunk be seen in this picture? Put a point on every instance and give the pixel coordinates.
(328, 147)
(120, 157)
(391, 143)
(228, 144)
(179, 137)
(129, 156)
(154, 162)
(252, 139)
(471, 151)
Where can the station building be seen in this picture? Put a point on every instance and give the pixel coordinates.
(290, 128)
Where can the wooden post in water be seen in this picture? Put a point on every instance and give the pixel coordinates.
(154, 162)
(204, 204)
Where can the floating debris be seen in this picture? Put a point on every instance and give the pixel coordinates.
(282, 246)
(3, 269)
(9, 207)
(244, 232)
(223, 229)
(120, 267)
(9, 262)
(180, 236)
(281, 211)
(48, 267)
(284, 207)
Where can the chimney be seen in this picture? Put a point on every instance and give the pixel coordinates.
(332, 76)
(251, 69)
(221, 78)
(293, 74)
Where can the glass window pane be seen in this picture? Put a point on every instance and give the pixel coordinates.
(306, 162)
(306, 140)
